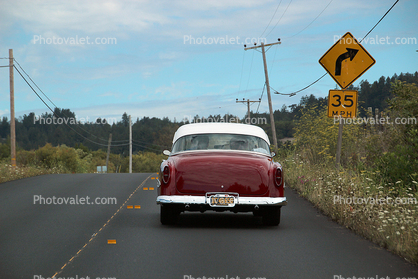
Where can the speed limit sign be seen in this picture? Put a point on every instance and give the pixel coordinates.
(342, 103)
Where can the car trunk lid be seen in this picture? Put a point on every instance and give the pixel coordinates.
(240, 172)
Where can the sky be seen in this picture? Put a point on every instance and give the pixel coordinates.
(184, 58)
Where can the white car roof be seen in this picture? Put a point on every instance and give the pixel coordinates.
(220, 128)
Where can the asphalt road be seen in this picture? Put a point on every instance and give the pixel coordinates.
(39, 241)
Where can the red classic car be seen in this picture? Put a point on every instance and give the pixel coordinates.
(219, 167)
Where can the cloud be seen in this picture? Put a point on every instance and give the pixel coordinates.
(205, 105)
(5, 113)
(165, 19)
(150, 54)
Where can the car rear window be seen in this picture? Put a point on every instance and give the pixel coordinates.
(221, 141)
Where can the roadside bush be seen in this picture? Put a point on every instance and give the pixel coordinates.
(26, 158)
(4, 150)
(46, 156)
(377, 162)
(67, 157)
(144, 162)
(396, 157)
(84, 161)
(316, 137)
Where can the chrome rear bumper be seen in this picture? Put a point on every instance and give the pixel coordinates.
(203, 200)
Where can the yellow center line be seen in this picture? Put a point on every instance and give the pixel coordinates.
(94, 235)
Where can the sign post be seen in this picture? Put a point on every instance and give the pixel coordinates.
(345, 62)
(341, 104)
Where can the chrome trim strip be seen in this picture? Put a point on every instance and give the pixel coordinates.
(240, 200)
(202, 151)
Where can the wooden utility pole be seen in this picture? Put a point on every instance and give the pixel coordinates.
(12, 112)
(130, 144)
(248, 107)
(108, 152)
(273, 126)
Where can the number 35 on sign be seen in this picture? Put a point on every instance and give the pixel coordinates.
(342, 103)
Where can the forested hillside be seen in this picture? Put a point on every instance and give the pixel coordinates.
(154, 135)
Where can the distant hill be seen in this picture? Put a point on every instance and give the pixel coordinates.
(376, 94)
(154, 134)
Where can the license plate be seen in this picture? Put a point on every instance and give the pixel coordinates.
(222, 200)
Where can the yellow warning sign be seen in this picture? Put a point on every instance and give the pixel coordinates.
(346, 60)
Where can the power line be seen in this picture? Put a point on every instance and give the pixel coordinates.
(264, 87)
(279, 19)
(242, 70)
(143, 146)
(56, 107)
(164, 146)
(57, 115)
(294, 93)
(251, 67)
(311, 21)
(271, 19)
(114, 145)
(34, 83)
(274, 59)
(380, 20)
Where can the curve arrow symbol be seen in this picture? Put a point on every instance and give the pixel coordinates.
(351, 52)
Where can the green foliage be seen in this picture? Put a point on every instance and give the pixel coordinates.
(378, 161)
(154, 135)
(317, 135)
(376, 94)
(390, 224)
(46, 156)
(399, 162)
(397, 166)
(67, 157)
(4, 150)
(80, 146)
(83, 161)
(405, 101)
(144, 162)
(27, 158)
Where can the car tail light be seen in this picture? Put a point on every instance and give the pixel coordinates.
(166, 174)
(278, 177)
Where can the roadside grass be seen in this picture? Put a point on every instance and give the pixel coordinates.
(8, 173)
(354, 200)
(63, 159)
